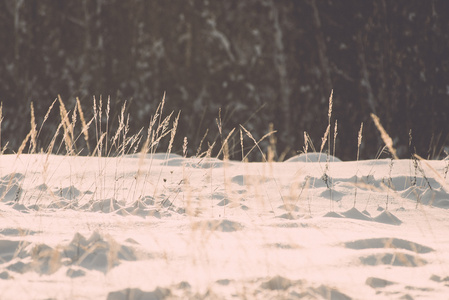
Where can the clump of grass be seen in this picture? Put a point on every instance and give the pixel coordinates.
(160, 126)
(67, 127)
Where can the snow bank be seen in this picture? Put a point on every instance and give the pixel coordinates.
(169, 227)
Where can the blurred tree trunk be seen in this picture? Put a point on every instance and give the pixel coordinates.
(322, 52)
(364, 74)
(17, 29)
(280, 63)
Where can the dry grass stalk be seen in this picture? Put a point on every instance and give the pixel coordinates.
(241, 144)
(121, 127)
(184, 147)
(161, 107)
(173, 133)
(272, 146)
(324, 138)
(1, 121)
(329, 113)
(256, 143)
(134, 142)
(67, 140)
(306, 142)
(159, 134)
(335, 137)
(225, 146)
(125, 140)
(4, 148)
(438, 177)
(198, 151)
(64, 117)
(107, 123)
(67, 126)
(53, 140)
(98, 112)
(85, 129)
(95, 117)
(359, 140)
(33, 132)
(72, 127)
(47, 114)
(209, 150)
(98, 148)
(24, 142)
(384, 135)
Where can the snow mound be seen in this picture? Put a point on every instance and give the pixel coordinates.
(138, 294)
(69, 193)
(10, 249)
(313, 157)
(332, 194)
(104, 206)
(277, 283)
(400, 259)
(17, 232)
(381, 243)
(11, 187)
(388, 218)
(218, 225)
(354, 213)
(433, 197)
(376, 282)
(95, 253)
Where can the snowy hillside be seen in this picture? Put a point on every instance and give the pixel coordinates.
(159, 227)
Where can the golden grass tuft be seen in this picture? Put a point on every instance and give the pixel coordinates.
(67, 126)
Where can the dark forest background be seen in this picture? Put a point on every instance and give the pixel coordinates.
(260, 61)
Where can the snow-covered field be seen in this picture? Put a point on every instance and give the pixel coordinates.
(159, 227)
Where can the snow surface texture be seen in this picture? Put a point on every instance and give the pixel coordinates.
(179, 228)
